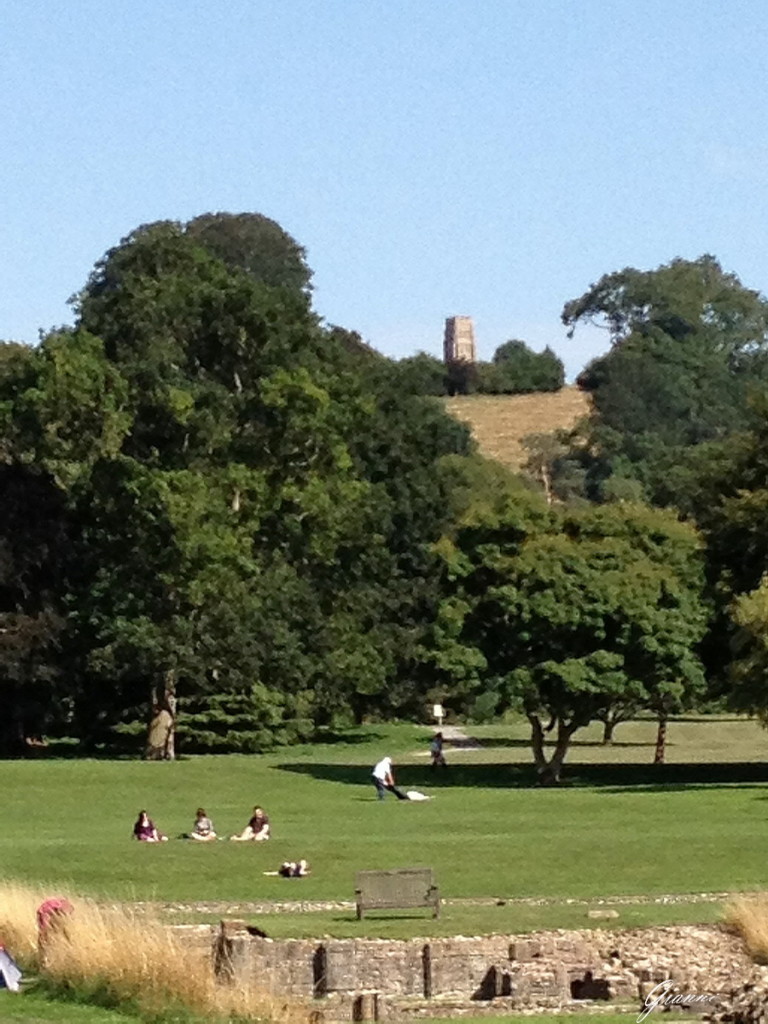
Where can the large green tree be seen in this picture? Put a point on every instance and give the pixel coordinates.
(316, 490)
(688, 344)
(567, 614)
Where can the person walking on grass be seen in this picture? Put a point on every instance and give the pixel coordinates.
(384, 779)
(436, 751)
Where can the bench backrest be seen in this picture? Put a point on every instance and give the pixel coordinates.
(406, 887)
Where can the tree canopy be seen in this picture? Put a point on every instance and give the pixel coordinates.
(251, 505)
(689, 345)
(563, 615)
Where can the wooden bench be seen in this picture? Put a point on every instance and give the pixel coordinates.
(396, 890)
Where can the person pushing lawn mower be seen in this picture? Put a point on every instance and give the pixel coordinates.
(384, 779)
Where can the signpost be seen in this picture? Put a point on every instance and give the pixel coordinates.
(439, 713)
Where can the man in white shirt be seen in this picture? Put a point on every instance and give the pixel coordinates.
(384, 780)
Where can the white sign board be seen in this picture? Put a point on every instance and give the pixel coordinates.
(437, 711)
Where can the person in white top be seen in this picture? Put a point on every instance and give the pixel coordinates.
(384, 779)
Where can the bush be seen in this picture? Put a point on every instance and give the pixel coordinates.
(242, 723)
(749, 918)
(517, 369)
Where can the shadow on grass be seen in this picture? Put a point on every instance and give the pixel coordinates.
(490, 742)
(68, 749)
(71, 750)
(612, 777)
(351, 917)
(715, 719)
(354, 736)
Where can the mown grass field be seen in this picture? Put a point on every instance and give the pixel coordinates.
(35, 1008)
(620, 827)
(500, 422)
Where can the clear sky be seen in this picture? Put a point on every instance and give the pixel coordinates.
(435, 157)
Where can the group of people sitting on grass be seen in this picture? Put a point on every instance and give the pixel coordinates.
(257, 829)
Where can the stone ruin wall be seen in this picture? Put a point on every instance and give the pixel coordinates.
(377, 979)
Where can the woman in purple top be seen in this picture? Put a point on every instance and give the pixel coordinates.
(145, 831)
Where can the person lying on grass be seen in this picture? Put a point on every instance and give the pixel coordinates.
(145, 830)
(257, 829)
(292, 869)
(202, 830)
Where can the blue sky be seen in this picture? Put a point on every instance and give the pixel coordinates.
(434, 157)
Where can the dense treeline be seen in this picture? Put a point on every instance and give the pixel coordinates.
(228, 524)
(514, 370)
(680, 420)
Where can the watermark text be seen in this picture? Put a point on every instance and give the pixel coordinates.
(662, 996)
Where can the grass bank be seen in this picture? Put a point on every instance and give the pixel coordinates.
(37, 1008)
(481, 920)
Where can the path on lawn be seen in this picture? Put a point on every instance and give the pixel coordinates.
(308, 906)
(458, 739)
(454, 738)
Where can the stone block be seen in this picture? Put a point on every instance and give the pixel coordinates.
(621, 987)
(574, 951)
(548, 981)
(340, 966)
(524, 950)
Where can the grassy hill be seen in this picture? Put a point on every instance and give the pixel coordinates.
(500, 422)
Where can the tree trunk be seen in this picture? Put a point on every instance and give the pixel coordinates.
(161, 744)
(537, 743)
(547, 482)
(549, 770)
(609, 724)
(661, 739)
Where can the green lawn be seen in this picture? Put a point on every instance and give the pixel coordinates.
(463, 920)
(31, 1008)
(620, 826)
(34, 1008)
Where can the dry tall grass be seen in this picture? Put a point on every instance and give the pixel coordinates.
(500, 422)
(749, 918)
(111, 955)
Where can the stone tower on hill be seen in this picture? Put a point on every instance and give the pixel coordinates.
(459, 340)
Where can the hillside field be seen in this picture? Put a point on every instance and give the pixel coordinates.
(500, 422)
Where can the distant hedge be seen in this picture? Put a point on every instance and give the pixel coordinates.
(515, 369)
